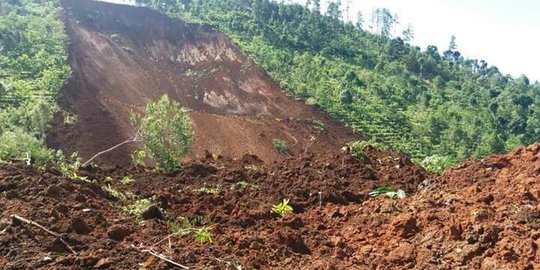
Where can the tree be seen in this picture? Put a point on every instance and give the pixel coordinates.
(346, 97)
(165, 131)
(359, 20)
(334, 10)
(408, 34)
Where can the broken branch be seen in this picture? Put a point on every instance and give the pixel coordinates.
(133, 139)
(157, 255)
(19, 218)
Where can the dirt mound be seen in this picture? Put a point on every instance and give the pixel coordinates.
(481, 215)
(123, 56)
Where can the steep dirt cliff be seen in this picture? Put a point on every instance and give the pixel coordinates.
(124, 56)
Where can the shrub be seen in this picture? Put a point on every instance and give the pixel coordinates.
(281, 146)
(436, 163)
(19, 145)
(166, 133)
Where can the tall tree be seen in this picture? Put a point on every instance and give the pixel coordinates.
(334, 10)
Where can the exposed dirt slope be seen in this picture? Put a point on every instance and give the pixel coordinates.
(123, 56)
(481, 215)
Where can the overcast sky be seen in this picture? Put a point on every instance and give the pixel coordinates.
(505, 33)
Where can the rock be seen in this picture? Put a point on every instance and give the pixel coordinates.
(80, 226)
(54, 192)
(118, 232)
(296, 243)
(152, 212)
(402, 254)
(456, 232)
(405, 225)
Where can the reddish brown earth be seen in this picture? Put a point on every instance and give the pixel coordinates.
(481, 215)
(121, 57)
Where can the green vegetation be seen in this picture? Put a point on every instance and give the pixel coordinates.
(281, 146)
(203, 235)
(424, 102)
(137, 158)
(126, 180)
(33, 67)
(208, 190)
(399, 194)
(137, 207)
(357, 148)
(283, 208)
(165, 131)
(113, 193)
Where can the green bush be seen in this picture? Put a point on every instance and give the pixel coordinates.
(436, 163)
(166, 133)
(19, 145)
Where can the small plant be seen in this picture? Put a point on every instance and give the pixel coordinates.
(108, 179)
(283, 208)
(319, 125)
(281, 146)
(203, 235)
(126, 180)
(20, 145)
(113, 193)
(436, 163)
(399, 194)
(69, 119)
(357, 148)
(137, 158)
(137, 207)
(243, 184)
(207, 190)
(68, 167)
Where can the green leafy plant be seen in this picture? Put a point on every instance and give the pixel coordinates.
(19, 145)
(126, 180)
(283, 208)
(165, 131)
(113, 193)
(280, 145)
(70, 119)
(203, 235)
(137, 207)
(399, 194)
(137, 158)
(436, 163)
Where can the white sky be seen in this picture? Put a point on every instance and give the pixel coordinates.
(505, 33)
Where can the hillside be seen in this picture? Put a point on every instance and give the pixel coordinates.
(434, 103)
(72, 71)
(123, 56)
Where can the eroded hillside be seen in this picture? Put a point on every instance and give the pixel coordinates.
(123, 56)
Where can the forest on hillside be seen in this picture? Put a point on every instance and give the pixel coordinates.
(435, 104)
(33, 68)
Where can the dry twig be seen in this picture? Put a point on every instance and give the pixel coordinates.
(19, 218)
(158, 255)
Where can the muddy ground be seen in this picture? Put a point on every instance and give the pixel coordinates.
(481, 215)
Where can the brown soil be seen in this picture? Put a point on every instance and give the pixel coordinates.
(481, 215)
(123, 56)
